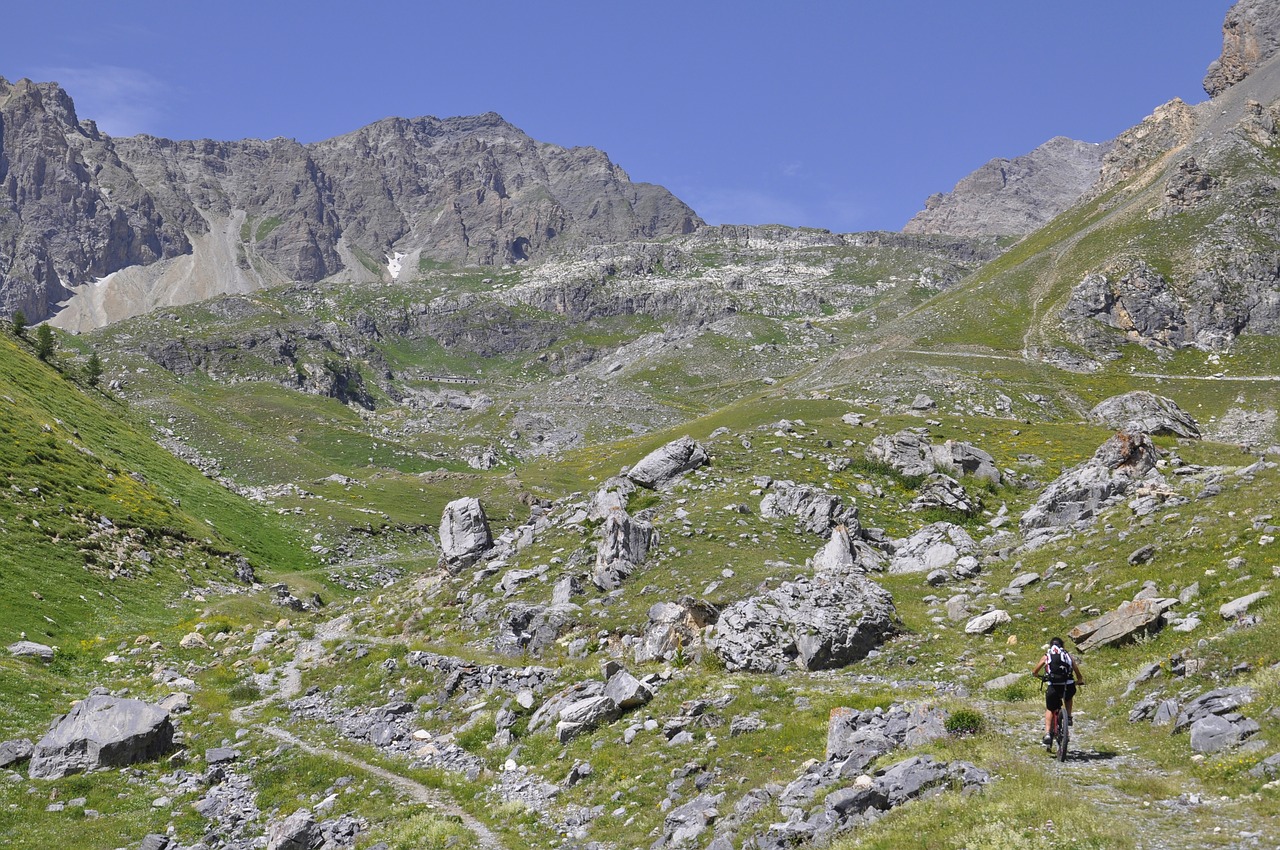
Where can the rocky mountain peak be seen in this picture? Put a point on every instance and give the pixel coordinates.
(1014, 196)
(1250, 36)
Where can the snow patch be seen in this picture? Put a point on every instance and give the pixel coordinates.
(103, 281)
(394, 265)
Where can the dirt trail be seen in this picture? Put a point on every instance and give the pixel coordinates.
(289, 683)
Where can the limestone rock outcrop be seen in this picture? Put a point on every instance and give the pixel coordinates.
(1076, 496)
(1250, 36)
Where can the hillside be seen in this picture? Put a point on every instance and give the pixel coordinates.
(718, 538)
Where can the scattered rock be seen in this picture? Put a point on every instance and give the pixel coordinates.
(298, 831)
(624, 544)
(816, 511)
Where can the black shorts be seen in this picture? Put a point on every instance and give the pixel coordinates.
(1055, 694)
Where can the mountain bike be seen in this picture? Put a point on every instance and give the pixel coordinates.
(1060, 725)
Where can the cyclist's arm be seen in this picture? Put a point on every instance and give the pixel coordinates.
(1039, 667)
(1077, 673)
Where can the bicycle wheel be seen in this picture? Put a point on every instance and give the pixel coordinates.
(1064, 733)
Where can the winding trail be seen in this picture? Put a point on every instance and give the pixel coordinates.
(289, 683)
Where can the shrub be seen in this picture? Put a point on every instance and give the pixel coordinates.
(965, 721)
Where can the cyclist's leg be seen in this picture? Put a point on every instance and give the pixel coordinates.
(1069, 693)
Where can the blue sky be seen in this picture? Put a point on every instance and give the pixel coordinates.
(843, 115)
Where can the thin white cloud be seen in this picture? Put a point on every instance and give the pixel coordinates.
(791, 169)
(124, 101)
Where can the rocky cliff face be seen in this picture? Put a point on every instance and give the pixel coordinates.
(1014, 196)
(1250, 36)
(78, 206)
(70, 211)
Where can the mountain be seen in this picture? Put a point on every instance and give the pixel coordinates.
(120, 226)
(1012, 197)
(745, 538)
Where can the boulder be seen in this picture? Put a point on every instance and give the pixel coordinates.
(933, 547)
(906, 451)
(31, 649)
(943, 491)
(584, 715)
(102, 731)
(1214, 732)
(1145, 412)
(464, 532)
(12, 752)
(814, 510)
(1236, 607)
(624, 544)
(960, 458)
(986, 623)
(1125, 624)
(299, 831)
(1075, 497)
(664, 465)
(1002, 682)
(627, 691)
(816, 624)
(674, 627)
(684, 824)
(1215, 702)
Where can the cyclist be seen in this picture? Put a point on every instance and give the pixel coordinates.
(1062, 673)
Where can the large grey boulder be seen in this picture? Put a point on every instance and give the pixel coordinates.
(624, 544)
(1079, 494)
(815, 624)
(906, 451)
(532, 628)
(299, 831)
(960, 458)
(674, 627)
(464, 532)
(1145, 412)
(584, 715)
(664, 465)
(1222, 701)
(1219, 732)
(1127, 623)
(933, 547)
(814, 510)
(31, 649)
(102, 731)
(627, 691)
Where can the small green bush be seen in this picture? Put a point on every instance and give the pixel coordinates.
(965, 721)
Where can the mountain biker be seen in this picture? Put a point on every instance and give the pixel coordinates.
(1062, 673)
